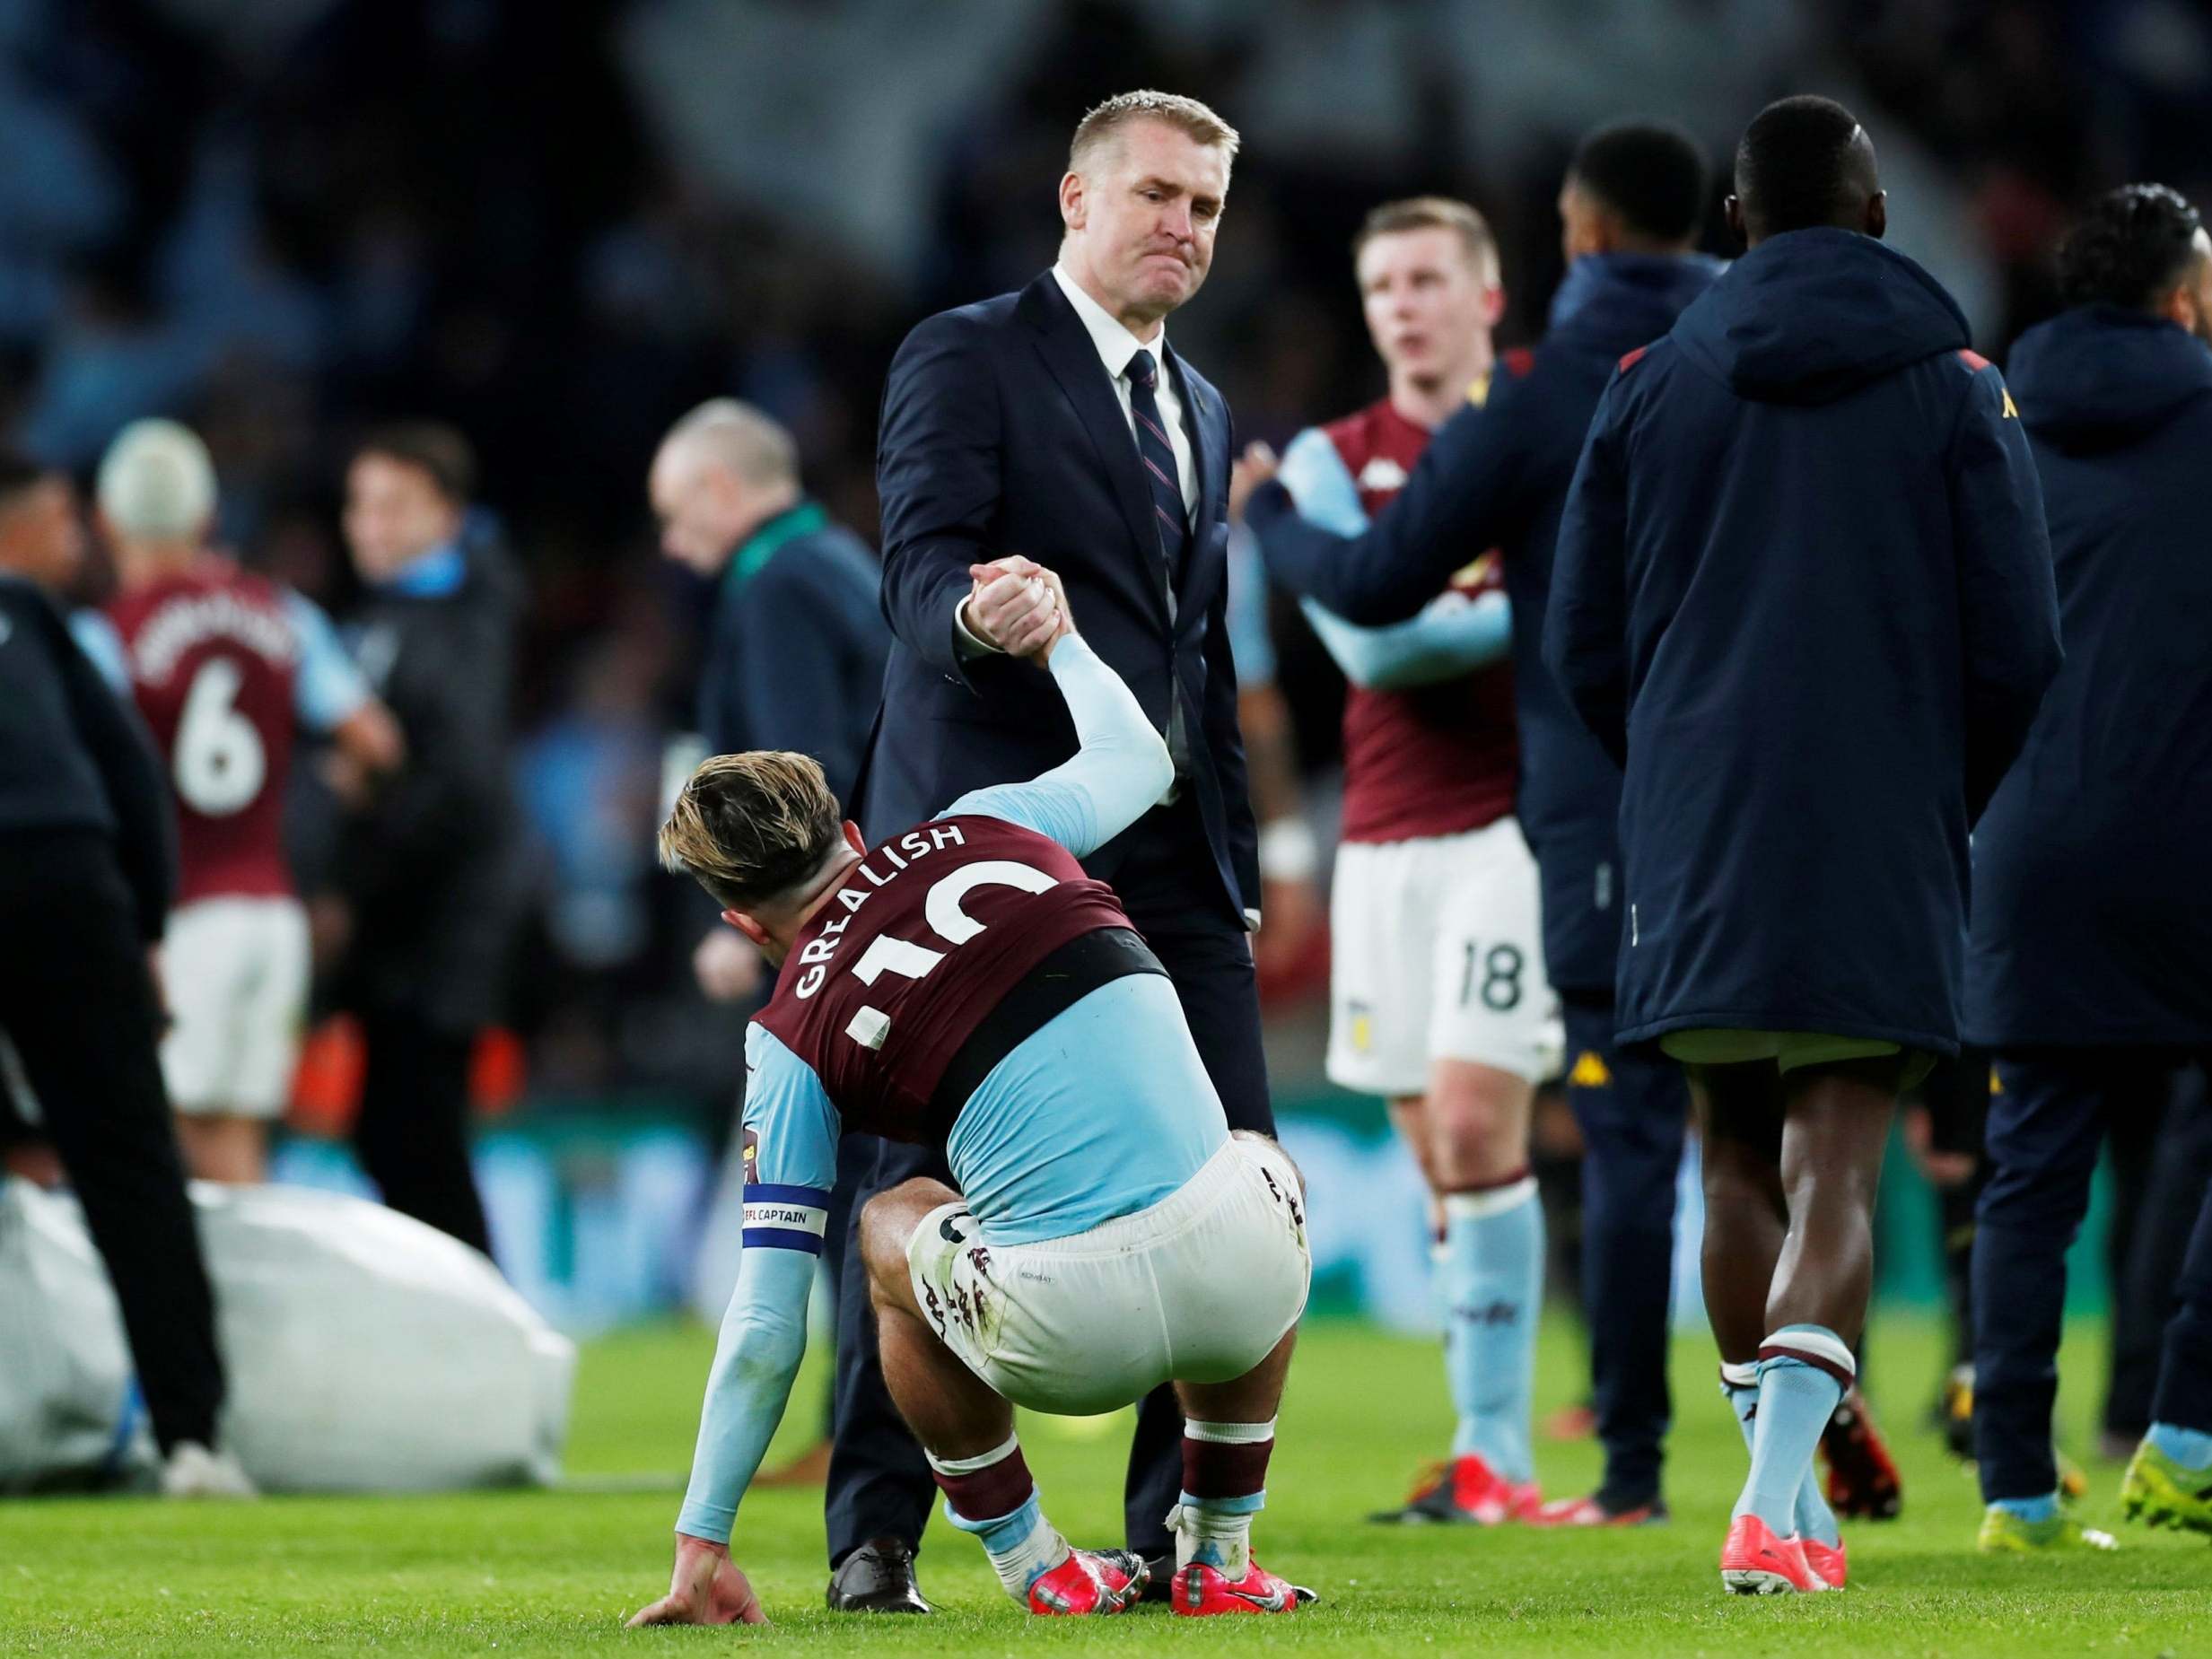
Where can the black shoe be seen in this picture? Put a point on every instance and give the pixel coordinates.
(1161, 1585)
(878, 1577)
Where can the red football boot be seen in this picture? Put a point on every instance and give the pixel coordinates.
(1091, 1582)
(1827, 1562)
(1862, 1475)
(1754, 1562)
(1202, 1591)
(1592, 1511)
(1466, 1492)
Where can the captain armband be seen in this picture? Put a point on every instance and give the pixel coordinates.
(783, 1217)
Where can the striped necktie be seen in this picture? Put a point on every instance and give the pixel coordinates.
(1159, 461)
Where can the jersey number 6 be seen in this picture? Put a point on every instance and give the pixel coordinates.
(217, 757)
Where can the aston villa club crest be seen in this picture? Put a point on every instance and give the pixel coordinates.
(1381, 475)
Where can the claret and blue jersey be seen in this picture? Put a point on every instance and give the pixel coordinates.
(1103, 1110)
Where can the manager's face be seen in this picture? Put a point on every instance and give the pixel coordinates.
(1141, 217)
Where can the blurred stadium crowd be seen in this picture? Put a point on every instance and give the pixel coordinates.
(558, 228)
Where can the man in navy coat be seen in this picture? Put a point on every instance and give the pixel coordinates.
(1496, 474)
(1804, 595)
(1057, 427)
(2090, 966)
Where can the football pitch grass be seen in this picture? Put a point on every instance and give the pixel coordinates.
(555, 1572)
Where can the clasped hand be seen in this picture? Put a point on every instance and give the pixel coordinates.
(1017, 605)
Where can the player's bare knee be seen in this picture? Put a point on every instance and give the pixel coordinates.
(887, 1221)
(1478, 1117)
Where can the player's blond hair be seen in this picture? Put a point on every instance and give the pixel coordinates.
(156, 481)
(752, 828)
(1434, 212)
(1187, 115)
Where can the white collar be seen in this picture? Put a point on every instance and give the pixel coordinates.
(1114, 343)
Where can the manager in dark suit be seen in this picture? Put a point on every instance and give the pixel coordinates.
(1058, 425)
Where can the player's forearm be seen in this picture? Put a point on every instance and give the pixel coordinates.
(1360, 578)
(1453, 635)
(763, 1337)
(1122, 764)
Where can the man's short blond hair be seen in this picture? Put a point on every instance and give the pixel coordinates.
(1434, 212)
(747, 442)
(753, 828)
(1187, 115)
(156, 481)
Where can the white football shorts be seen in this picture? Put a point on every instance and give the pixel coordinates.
(1437, 953)
(1199, 1288)
(236, 974)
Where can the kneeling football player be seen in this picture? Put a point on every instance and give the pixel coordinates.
(965, 986)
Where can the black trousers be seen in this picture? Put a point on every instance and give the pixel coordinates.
(2056, 1109)
(2157, 1191)
(1633, 1109)
(413, 1131)
(880, 1484)
(77, 1002)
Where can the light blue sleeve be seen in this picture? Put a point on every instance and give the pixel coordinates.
(1120, 770)
(96, 637)
(327, 688)
(1249, 640)
(1451, 636)
(1454, 633)
(1322, 485)
(791, 1164)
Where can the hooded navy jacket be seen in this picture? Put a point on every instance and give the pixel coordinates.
(1804, 594)
(1496, 476)
(2093, 907)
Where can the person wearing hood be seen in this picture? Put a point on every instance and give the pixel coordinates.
(2089, 967)
(1804, 595)
(1495, 475)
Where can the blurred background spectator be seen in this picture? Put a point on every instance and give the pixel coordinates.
(559, 227)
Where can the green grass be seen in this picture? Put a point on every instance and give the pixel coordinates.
(543, 1573)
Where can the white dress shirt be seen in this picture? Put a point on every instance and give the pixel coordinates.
(1116, 346)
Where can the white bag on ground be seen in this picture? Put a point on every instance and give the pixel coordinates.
(365, 1352)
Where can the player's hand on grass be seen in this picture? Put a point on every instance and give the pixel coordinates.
(1255, 467)
(707, 1587)
(1015, 605)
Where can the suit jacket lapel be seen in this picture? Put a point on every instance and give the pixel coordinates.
(1073, 360)
(1208, 428)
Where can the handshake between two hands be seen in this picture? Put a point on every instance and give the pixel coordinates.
(1016, 606)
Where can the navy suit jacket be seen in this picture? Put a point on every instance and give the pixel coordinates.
(1001, 435)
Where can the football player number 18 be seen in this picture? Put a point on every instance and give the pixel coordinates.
(216, 758)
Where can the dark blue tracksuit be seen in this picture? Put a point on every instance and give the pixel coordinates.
(1496, 476)
(795, 654)
(2090, 966)
(1804, 594)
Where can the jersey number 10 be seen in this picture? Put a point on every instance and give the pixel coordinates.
(942, 909)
